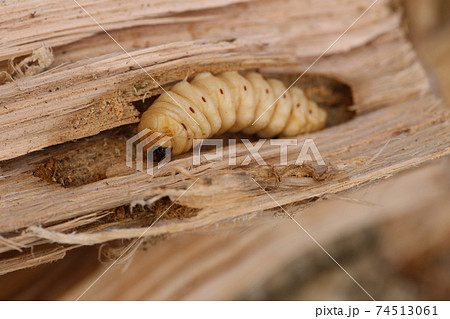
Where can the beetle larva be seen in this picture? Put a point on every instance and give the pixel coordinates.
(230, 102)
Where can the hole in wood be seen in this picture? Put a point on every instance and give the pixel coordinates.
(87, 161)
(334, 96)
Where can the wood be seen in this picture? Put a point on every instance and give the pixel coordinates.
(400, 124)
(72, 97)
(20, 36)
(238, 260)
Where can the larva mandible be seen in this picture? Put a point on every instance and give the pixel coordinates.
(230, 102)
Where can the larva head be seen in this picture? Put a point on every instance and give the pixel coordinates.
(159, 153)
(157, 139)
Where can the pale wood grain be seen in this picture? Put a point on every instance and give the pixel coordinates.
(400, 124)
(266, 33)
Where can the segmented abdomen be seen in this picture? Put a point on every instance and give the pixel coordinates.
(213, 104)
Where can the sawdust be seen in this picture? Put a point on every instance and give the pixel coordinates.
(111, 108)
(84, 165)
(318, 173)
(147, 214)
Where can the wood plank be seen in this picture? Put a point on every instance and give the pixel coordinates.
(85, 97)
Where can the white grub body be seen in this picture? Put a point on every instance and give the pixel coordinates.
(230, 102)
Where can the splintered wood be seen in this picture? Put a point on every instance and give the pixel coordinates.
(63, 125)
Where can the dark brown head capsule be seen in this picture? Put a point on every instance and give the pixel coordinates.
(159, 153)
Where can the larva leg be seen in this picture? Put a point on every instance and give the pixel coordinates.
(282, 110)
